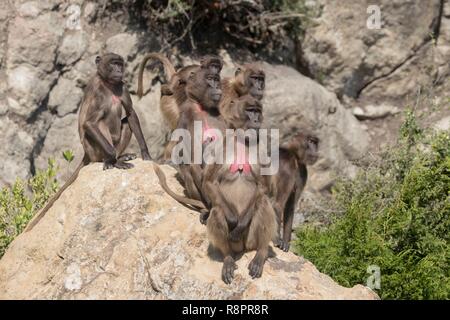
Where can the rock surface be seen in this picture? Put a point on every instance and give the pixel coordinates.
(116, 235)
(349, 53)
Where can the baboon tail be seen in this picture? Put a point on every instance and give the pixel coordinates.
(168, 69)
(50, 203)
(181, 199)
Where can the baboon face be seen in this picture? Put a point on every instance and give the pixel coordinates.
(110, 67)
(212, 63)
(253, 113)
(311, 145)
(256, 82)
(249, 110)
(204, 87)
(253, 79)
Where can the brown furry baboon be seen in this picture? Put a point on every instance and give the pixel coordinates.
(244, 113)
(203, 95)
(287, 185)
(247, 114)
(104, 133)
(249, 79)
(173, 93)
(241, 216)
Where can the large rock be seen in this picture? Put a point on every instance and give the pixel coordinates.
(116, 235)
(341, 50)
(65, 97)
(61, 136)
(15, 149)
(294, 102)
(33, 40)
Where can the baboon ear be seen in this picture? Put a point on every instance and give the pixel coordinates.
(191, 75)
(238, 71)
(97, 60)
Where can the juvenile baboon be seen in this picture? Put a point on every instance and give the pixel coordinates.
(104, 134)
(173, 93)
(248, 80)
(287, 185)
(241, 216)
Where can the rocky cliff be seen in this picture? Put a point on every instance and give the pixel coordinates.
(116, 235)
(47, 51)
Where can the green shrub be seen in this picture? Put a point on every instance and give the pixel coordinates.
(396, 215)
(19, 203)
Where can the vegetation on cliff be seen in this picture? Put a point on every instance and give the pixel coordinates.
(394, 216)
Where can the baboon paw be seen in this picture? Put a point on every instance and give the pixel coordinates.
(255, 268)
(285, 246)
(278, 243)
(127, 157)
(228, 271)
(123, 165)
(108, 165)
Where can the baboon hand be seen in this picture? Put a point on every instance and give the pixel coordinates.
(278, 242)
(127, 157)
(256, 267)
(122, 165)
(285, 246)
(228, 270)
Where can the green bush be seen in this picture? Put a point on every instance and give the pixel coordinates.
(19, 203)
(396, 215)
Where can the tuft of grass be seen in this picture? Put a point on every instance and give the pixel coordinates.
(19, 203)
(395, 215)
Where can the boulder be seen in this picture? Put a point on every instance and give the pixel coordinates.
(65, 97)
(294, 102)
(116, 235)
(348, 56)
(61, 136)
(15, 147)
(31, 51)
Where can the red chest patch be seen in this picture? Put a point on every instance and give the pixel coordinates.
(115, 99)
(241, 162)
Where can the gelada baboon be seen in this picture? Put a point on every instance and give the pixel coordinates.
(103, 132)
(249, 79)
(173, 93)
(287, 185)
(203, 95)
(244, 113)
(247, 114)
(241, 216)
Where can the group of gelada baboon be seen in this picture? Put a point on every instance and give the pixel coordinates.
(242, 209)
